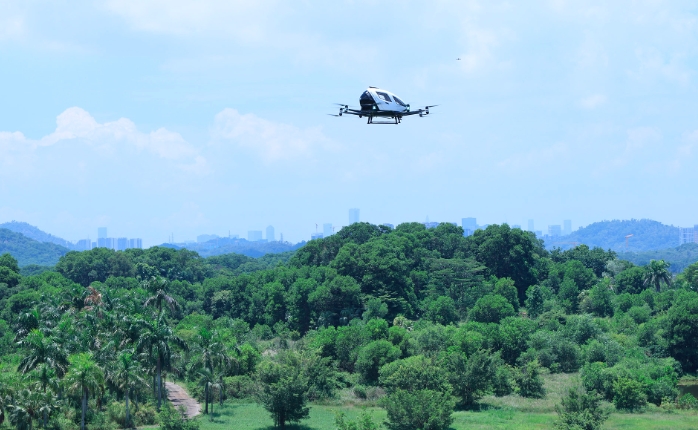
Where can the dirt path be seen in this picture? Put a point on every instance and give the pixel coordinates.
(178, 396)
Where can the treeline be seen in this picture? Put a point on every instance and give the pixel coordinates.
(419, 320)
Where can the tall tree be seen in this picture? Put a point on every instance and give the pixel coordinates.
(84, 376)
(160, 296)
(125, 375)
(156, 338)
(42, 349)
(657, 273)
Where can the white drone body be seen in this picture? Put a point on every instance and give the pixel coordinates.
(382, 104)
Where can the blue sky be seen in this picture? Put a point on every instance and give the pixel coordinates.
(186, 117)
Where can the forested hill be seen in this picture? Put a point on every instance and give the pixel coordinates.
(34, 233)
(226, 245)
(647, 235)
(29, 251)
(679, 257)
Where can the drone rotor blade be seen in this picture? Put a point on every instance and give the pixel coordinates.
(427, 107)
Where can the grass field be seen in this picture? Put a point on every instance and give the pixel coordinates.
(510, 412)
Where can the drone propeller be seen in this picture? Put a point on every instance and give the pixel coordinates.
(342, 105)
(331, 114)
(427, 107)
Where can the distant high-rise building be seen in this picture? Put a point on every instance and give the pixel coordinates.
(102, 233)
(431, 224)
(353, 215)
(102, 242)
(270, 234)
(389, 225)
(254, 235)
(555, 230)
(566, 227)
(530, 225)
(469, 224)
(687, 235)
(327, 230)
(83, 245)
(516, 226)
(94, 245)
(122, 244)
(135, 243)
(539, 233)
(281, 237)
(316, 236)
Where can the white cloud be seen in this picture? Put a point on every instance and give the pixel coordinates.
(77, 124)
(653, 63)
(593, 101)
(269, 140)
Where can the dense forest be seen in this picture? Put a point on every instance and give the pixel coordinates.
(419, 322)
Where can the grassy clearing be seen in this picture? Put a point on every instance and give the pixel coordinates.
(498, 413)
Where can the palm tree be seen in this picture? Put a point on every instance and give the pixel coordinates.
(156, 339)
(160, 297)
(656, 273)
(25, 406)
(126, 376)
(41, 349)
(84, 376)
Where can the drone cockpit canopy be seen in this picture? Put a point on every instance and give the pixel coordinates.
(366, 101)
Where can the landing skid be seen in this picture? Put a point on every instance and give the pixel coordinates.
(396, 120)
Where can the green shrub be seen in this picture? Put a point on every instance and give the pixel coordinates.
(372, 357)
(364, 422)
(580, 410)
(171, 419)
(687, 401)
(491, 308)
(503, 381)
(420, 409)
(239, 387)
(145, 415)
(629, 394)
(640, 314)
(536, 295)
(528, 380)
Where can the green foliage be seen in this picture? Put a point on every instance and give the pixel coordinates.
(631, 280)
(364, 422)
(284, 390)
(689, 277)
(600, 300)
(171, 419)
(491, 309)
(536, 296)
(580, 410)
(611, 235)
(414, 373)
(680, 257)
(594, 259)
(682, 332)
(374, 356)
(442, 310)
(472, 377)
(528, 380)
(687, 401)
(507, 253)
(418, 410)
(629, 394)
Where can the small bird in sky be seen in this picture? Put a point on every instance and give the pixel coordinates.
(458, 59)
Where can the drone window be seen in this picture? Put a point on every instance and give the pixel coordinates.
(384, 96)
(398, 101)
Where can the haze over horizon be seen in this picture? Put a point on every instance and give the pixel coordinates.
(185, 118)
